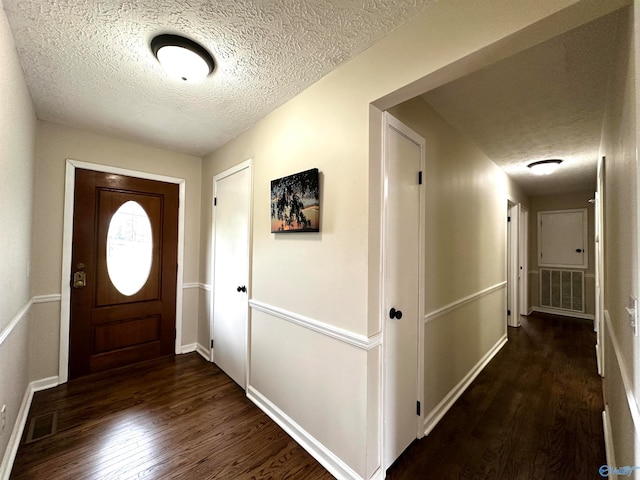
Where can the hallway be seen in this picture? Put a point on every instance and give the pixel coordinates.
(535, 412)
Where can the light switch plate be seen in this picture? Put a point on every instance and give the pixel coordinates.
(632, 310)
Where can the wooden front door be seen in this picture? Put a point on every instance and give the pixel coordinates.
(124, 271)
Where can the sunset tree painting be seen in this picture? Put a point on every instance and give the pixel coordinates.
(295, 203)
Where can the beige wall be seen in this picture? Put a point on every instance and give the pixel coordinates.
(56, 144)
(327, 386)
(566, 201)
(333, 277)
(17, 140)
(619, 145)
(465, 250)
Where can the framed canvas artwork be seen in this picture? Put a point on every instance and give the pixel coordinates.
(295, 203)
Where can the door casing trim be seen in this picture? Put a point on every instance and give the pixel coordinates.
(67, 238)
(389, 121)
(245, 165)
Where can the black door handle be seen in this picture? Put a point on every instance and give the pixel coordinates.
(242, 289)
(393, 313)
(578, 250)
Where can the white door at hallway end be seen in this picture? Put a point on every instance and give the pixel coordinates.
(231, 244)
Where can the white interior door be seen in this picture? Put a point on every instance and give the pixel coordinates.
(562, 238)
(231, 213)
(402, 286)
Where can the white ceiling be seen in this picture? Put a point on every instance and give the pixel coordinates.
(545, 102)
(88, 63)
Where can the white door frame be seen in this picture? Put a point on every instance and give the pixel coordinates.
(67, 249)
(599, 318)
(247, 164)
(513, 247)
(523, 255)
(388, 120)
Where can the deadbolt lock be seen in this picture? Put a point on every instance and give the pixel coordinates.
(79, 279)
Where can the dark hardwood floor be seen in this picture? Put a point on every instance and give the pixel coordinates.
(177, 417)
(533, 413)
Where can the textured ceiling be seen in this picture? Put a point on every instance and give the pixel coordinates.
(88, 62)
(545, 102)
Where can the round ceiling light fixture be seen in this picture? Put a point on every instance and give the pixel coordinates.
(182, 58)
(545, 167)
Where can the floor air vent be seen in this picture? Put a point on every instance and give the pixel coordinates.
(42, 426)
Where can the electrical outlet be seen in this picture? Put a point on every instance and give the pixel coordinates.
(3, 416)
(632, 311)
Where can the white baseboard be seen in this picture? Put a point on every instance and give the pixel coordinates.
(608, 438)
(21, 421)
(317, 450)
(196, 347)
(45, 383)
(16, 435)
(432, 419)
(204, 352)
(378, 475)
(564, 313)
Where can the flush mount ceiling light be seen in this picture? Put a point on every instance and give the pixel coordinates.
(182, 58)
(544, 167)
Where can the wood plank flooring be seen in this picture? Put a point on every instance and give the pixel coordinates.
(533, 413)
(177, 417)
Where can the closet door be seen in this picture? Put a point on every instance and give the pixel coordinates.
(562, 238)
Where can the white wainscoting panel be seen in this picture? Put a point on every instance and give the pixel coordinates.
(313, 382)
(624, 373)
(315, 448)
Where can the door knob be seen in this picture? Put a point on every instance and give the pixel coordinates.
(242, 289)
(393, 313)
(578, 250)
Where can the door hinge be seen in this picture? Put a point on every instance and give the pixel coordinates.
(420, 177)
(175, 334)
(212, 343)
(418, 408)
(508, 312)
(215, 201)
(508, 219)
